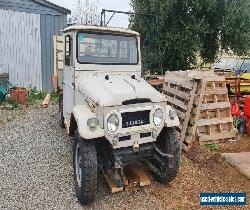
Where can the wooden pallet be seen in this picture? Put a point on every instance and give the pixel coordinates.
(215, 122)
(201, 102)
(180, 92)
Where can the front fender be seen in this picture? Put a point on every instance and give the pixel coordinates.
(168, 122)
(81, 114)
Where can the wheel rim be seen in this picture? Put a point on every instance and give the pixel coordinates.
(77, 166)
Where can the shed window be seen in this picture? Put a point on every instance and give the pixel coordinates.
(68, 51)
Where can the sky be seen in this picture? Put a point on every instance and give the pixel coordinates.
(119, 20)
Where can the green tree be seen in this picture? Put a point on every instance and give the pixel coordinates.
(175, 31)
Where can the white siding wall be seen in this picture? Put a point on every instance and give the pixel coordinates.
(20, 48)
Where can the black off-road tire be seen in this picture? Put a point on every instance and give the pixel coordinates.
(60, 113)
(168, 142)
(88, 166)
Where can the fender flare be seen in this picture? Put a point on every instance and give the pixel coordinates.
(81, 114)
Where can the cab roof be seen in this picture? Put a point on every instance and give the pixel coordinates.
(100, 29)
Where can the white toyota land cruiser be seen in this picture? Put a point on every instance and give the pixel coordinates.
(114, 114)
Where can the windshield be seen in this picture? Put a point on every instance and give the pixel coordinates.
(106, 49)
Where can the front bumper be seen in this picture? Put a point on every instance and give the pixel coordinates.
(131, 139)
(124, 156)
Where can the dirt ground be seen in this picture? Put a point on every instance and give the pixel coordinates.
(201, 171)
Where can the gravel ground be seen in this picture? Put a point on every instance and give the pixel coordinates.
(36, 171)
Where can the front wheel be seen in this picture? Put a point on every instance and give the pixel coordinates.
(167, 143)
(85, 168)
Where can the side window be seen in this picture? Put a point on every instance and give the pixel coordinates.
(68, 50)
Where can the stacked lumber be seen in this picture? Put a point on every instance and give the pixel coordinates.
(201, 101)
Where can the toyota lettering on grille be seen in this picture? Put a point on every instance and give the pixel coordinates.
(134, 123)
(131, 119)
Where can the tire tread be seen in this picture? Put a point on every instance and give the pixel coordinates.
(86, 194)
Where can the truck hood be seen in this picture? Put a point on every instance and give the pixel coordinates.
(113, 90)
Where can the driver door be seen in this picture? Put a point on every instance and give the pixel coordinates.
(68, 80)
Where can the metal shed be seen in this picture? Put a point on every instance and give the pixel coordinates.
(26, 45)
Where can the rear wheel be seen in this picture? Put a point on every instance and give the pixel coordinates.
(85, 168)
(168, 143)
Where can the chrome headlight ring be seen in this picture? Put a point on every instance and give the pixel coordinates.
(158, 117)
(112, 123)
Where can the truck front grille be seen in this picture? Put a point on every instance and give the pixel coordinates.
(131, 119)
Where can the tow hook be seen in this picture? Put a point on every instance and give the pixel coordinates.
(136, 147)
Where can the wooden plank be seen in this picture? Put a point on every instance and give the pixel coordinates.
(59, 65)
(60, 56)
(176, 81)
(218, 136)
(214, 121)
(211, 78)
(177, 102)
(188, 112)
(136, 171)
(124, 179)
(216, 92)
(185, 148)
(197, 99)
(189, 130)
(188, 139)
(201, 75)
(192, 121)
(216, 79)
(199, 104)
(55, 57)
(180, 114)
(176, 92)
(132, 179)
(180, 75)
(59, 39)
(111, 184)
(46, 101)
(60, 46)
(218, 105)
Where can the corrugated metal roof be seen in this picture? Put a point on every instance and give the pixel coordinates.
(54, 6)
(33, 6)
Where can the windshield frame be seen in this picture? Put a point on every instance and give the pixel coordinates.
(106, 33)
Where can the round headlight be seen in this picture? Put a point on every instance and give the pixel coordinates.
(112, 123)
(158, 117)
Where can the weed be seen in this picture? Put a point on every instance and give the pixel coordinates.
(36, 95)
(54, 96)
(12, 104)
(213, 147)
